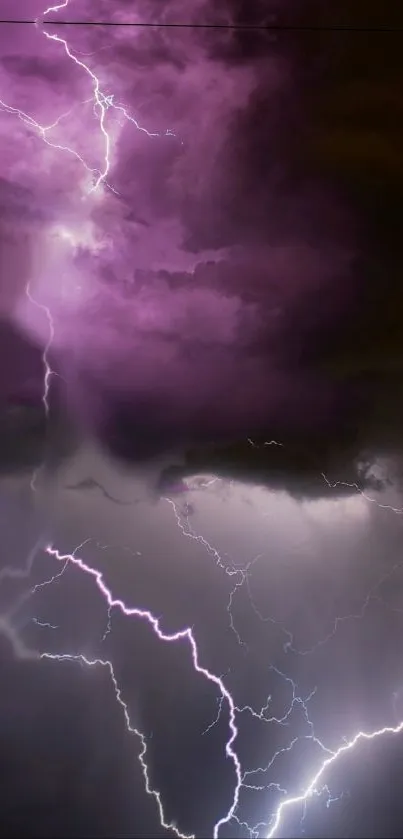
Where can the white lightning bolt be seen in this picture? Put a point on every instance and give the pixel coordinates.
(311, 789)
(102, 101)
(98, 662)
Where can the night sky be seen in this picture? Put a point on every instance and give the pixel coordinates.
(201, 413)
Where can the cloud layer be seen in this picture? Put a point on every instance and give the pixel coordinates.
(210, 287)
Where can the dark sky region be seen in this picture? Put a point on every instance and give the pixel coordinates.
(201, 412)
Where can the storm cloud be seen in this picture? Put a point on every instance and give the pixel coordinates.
(221, 283)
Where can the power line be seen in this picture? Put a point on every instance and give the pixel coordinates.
(234, 26)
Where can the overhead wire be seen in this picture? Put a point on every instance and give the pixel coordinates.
(269, 27)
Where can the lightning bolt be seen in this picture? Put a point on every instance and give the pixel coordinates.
(44, 130)
(98, 662)
(242, 574)
(361, 492)
(185, 635)
(283, 720)
(262, 714)
(188, 531)
(340, 619)
(244, 779)
(104, 103)
(311, 790)
(265, 443)
(48, 372)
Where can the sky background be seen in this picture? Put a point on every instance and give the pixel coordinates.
(201, 409)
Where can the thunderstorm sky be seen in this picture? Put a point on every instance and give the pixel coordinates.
(201, 407)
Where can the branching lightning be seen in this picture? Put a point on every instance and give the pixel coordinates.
(98, 662)
(354, 486)
(245, 779)
(182, 635)
(102, 101)
(312, 788)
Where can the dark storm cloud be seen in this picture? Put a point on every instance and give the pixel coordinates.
(242, 291)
